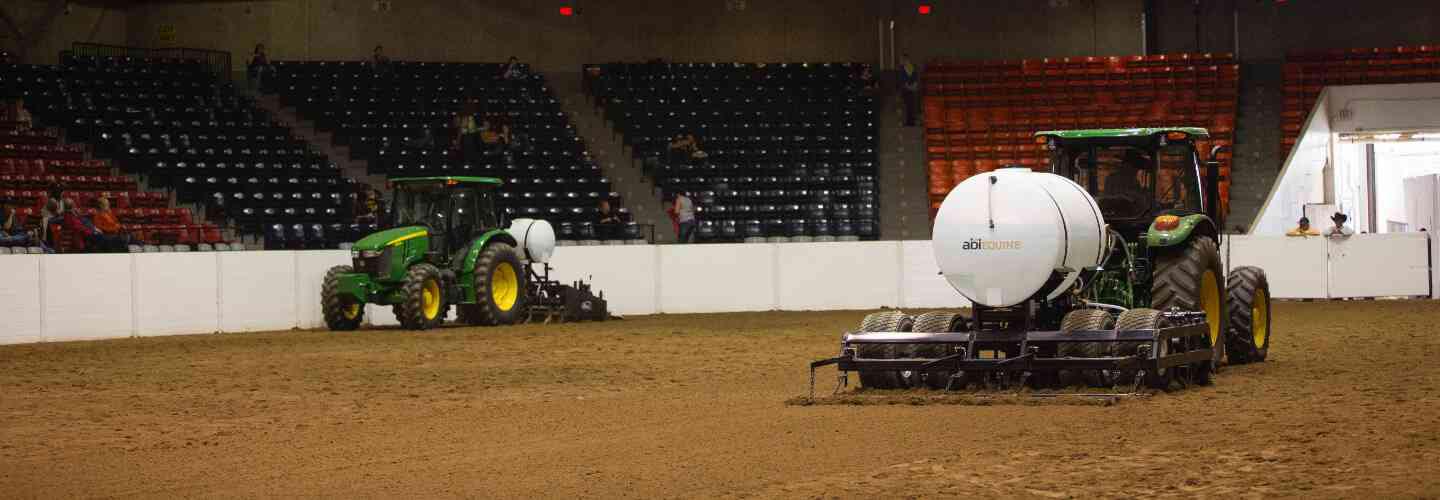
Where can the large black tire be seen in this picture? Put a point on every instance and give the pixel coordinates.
(1190, 278)
(884, 321)
(1250, 333)
(341, 313)
(1148, 319)
(500, 288)
(1085, 319)
(935, 322)
(423, 302)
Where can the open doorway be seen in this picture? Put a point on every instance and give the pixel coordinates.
(1370, 178)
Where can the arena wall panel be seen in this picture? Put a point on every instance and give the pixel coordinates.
(841, 275)
(1296, 267)
(257, 291)
(88, 297)
(717, 278)
(176, 293)
(20, 299)
(922, 286)
(626, 273)
(1379, 264)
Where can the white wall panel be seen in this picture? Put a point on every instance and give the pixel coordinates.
(717, 278)
(924, 287)
(1378, 265)
(626, 273)
(257, 291)
(87, 297)
(20, 299)
(1296, 267)
(312, 266)
(840, 275)
(176, 293)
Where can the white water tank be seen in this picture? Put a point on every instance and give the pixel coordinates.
(536, 238)
(1000, 236)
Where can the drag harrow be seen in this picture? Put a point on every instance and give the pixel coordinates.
(1156, 357)
(554, 302)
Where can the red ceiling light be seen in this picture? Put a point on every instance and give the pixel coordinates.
(567, 11)
(924, 9)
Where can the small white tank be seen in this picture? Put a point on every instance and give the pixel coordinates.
(1000, 236)
(536, 238)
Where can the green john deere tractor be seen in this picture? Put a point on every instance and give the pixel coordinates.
(444, 246)
(1105, 270)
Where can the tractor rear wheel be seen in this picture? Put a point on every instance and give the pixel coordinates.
(423, 298)
(1149, 319)
(1191, 278)
(500, 288)
(884, 321)
(342, 313)
(1085, 319)
(935, 322)
(1249, 339)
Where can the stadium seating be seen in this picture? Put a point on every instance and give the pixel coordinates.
(180, 129)
(980, 115)
(548, 173)
(1306, 73)
(82, 96)
(791, 148)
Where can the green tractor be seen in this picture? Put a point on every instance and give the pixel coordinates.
(1104, 270)
(444, 246)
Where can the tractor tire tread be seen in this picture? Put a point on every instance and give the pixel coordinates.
(332, 305)
(1243, 282)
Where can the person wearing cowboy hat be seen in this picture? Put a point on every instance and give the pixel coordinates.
(1339, 230)
(1303, 229)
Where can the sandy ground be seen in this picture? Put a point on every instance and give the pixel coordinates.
(693, 406)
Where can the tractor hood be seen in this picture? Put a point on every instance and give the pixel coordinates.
(382, 239)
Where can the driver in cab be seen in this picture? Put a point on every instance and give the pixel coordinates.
(1124, 179)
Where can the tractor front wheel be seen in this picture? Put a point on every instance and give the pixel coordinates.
(424, 299)
(1249, 339)
(342, 313)
(500, 286)
(1191, 278)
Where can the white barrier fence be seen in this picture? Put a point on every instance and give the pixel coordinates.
(80, 297)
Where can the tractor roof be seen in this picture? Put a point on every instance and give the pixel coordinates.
(457, 178)
(1103, 133)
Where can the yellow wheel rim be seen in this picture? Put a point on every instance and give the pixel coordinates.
(504, 286)
(430, 299)
(1210, 303)
(1260, 319)
(351, 311)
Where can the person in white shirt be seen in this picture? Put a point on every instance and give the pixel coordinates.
(1339, 230)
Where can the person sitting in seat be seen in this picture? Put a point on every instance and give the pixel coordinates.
(608, 223)
(15, 112)
(1302, 229)
(108, 236)
(1124, 181)
(512, 70)
(12, 231)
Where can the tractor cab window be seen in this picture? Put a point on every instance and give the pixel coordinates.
(1130, 182)
(472, 212)
(420, 204)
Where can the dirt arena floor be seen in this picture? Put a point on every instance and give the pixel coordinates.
(694, 406)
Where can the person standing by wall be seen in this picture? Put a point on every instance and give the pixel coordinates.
(909, 86)
(685, 216)
(1303, 229)
(259, 68)
(1339, 230)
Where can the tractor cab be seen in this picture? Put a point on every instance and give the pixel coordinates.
(1135, 175)
(452, 210)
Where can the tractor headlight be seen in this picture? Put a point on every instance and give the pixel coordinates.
(370, 254)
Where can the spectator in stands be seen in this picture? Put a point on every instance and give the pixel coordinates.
(466, 132)
(12, 230)
(378, 60)
(15, 112)
(73, 225)
(868, 82)
(1303, 229)
(490, 136)
(51, 214)
(909, 85)
(1339, 230)
(608, 223)
(513, 70)
(108, 235)
(685, 216)
(259, 68)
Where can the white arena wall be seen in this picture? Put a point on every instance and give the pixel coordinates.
(81, 297)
